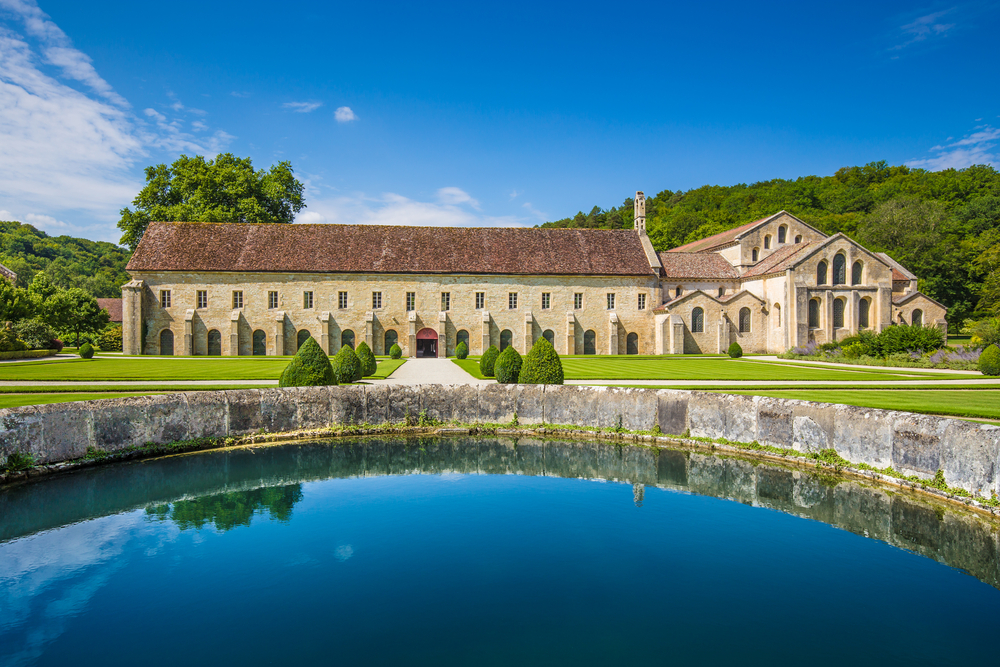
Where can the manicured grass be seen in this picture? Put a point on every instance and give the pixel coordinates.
(471, 366)
(137, 388)
(18, 400)
(385, 368)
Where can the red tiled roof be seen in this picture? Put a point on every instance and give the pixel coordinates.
(778, 261)
(709, 266)
(114, 308)
(716, 240)
(300, 248)
(898, 275)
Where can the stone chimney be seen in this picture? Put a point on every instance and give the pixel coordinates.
(640, 213)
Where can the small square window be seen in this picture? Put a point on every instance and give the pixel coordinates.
(237, 300)
(307, 299)
(642, 302)
(512, 300)
(411, 301)
(480, 300)
(611, 300)
(164, 298)
(376, 300)
(546, 300)
(342, 300)
(272, 300)
(202, 298)
(445, 300)
(577, 301)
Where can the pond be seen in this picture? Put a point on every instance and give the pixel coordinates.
(480, 551)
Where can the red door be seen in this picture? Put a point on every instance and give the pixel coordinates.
(427, 343)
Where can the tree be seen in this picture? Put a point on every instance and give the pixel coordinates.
(15, 302)
(226, 189)
(541, 365)
(310, 367)
(368, 363)
(346, 365)
(74, 311)
(508, 366)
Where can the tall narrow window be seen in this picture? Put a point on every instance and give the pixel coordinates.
(857, 273)
(744, 320)
(814, 313)
(839, 269)
(611, 300)
(782, 234)
(642, 302)
(342, 300)
(777, 316)
(698, 321)
(838, 314)
(546, 300)
(307, 299)
(376, 300)
(164, 298)
(798, 239)
(445, 300)
(863, 307)
(754, 254)
(411, 301)
(272, 300)
(821, 273)
(237, 300)
(678, 291)
(917, 318)
(480, 300)
(767, 242)
(512, 300)
(577, 301)
(202, 298)
(722, 291)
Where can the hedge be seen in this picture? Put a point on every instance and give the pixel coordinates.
(461, 350)
(346, 365)
(735, 351)
(27, 354)
(508, 366)
(395, 352)
(309, 368)
(541, 365)
(86, 351)
(488, 361)
(989, 361)
(367, 359)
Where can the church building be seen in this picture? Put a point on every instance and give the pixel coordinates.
(263, 289)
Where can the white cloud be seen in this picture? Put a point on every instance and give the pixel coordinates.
(514, 194)
(393, 209)
(534, 211)
(302, 107)
(344, 115)
(923, 28)
(453, 195)
(970, 150)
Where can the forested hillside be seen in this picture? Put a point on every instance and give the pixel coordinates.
(96, 266)
(944, 226)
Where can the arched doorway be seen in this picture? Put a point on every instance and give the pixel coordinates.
(505, 339)
(589, 342)
(632, 343)
(347, 338)
(462, 337)
(167, 342)
(301, 337)
(391, 338)
(214, 343)
(259, 343)
(550, 336)
(427, 343)
(917, 318)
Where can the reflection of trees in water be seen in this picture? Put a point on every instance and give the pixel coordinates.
(229, 510)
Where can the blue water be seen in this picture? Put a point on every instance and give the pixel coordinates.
(471, 569)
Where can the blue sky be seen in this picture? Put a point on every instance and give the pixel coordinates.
(480, 114)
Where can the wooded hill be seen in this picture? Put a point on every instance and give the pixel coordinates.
(943, 225)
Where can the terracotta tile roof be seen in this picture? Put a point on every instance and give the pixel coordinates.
(898, 275)
(7, 273)
(710, 266)
(198, 246)
(778, 261)
(114, 308)
(720, 239)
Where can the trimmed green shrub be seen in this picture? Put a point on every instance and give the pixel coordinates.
(907, 337)
(989, 361)
(367, 359)
(310, 367)
(346, 365)
(86, 351)
(854, 350)
(36, 335)
(508, 366)
(395, 351)
(110, 338)
(488, 360)
(541, 365)
(9, 342)
(461, 350)
(735, 351)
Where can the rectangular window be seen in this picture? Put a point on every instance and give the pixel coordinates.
(611, 300)
(411, 301)
(376, 300)
(512, 300)
(164, 298)
(577, 301)
(546, 300)
(342, 300)
(307, 299)
(480, 300)
(272, 300)
(642, 302)
(445, 300)
(237, 300)
(202, 298)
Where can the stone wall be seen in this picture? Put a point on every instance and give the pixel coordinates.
(968, 453)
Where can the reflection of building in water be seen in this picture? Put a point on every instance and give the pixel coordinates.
(227, 481)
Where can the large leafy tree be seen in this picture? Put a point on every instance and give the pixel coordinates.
(226, 189)
(74, 311)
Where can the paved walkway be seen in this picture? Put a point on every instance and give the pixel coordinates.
(430, 371)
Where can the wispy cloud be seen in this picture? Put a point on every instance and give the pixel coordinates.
(236, 93)
(972, 149)
(924, 28)
(344, 115)
(453, 195)
(534, 211)
(302, 107)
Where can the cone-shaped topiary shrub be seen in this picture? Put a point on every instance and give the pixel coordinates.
(541, 365)
(346, 365)
(989, 361)
(310, 367)
(508, 366)
(86, 351)
(395, 351)
(461, 350)
(488, 360)
(735, 351)
(367, 359)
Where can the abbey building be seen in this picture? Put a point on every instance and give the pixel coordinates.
(242, 289)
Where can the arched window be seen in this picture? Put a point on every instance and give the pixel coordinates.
(744, 320)
(698, 321)
(798, 239)
(632, 343)
(505, 338)
(722, 291)
(347, 338)
(678, 291)
(754, 254)
(550, 336)
(259, 343)
(839, 269)
(167, 342)
(821, 273)
(857, 272)
(214, 343)
(863, 307)
(391, 338)
(782, 234)
(838, 313)
(462, 337)
(301, 338)
(814, 313)
(767, 242)
(589, 342)
(917, 318)
(777, 316)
